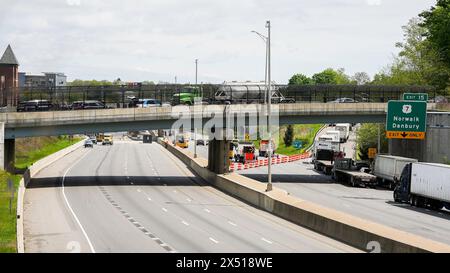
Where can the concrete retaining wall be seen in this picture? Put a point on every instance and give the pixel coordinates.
(359, 233)
(29, 173)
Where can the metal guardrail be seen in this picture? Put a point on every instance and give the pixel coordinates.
(122, 96)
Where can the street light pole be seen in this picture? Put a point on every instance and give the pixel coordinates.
(195, 102)
(269, 106)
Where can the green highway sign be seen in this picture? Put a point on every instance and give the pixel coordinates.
(415, 96)
(406, 119)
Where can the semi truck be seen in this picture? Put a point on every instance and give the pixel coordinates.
(345, 171)
(323, 160)
(344, 130)
(424, 185)
(388, 168)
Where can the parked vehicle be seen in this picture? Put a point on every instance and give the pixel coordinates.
(346, 171)
(34, 106)
(424, 185)
(245, 152)
(388, 168)
(107, 139)
(264, 147)
(86, 105)
(88, 143)
(323, 160)
(344, 130)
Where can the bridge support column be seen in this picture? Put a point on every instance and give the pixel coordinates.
(7, 151)
(218, 160)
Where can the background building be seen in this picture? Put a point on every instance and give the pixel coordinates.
(9, 78)
(45, 80)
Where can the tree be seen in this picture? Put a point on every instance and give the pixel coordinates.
(436, 21)
(361, 78)
(331, 76)
(300, 79)
(368, 138)
(289, 136)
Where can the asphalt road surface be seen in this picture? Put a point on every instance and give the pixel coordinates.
(135, 197)
(376, 205)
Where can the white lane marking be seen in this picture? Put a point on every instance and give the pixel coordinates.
(70, 207)
(139, 190)
(231, 223)
(185, 223)
(175, 191)
(149, 199)
(164, 209)
(189, 200)
(214, 240)
(267, 241)
(207, 210)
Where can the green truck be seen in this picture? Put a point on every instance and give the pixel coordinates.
(187, 96)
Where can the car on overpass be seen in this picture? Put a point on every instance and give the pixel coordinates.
(88, 104)
(343, 100)
(34, 106)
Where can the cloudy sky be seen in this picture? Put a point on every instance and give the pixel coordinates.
(139, 40)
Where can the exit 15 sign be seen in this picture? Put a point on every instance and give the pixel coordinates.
(415, 96)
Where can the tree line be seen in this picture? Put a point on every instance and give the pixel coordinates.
(424, 57)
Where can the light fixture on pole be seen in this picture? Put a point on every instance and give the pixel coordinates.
(268, 100)
(195, 102)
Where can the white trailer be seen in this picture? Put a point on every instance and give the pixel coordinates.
(344, 130)
(424, 185)
(388, 168)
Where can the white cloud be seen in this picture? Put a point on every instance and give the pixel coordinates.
(157, 40)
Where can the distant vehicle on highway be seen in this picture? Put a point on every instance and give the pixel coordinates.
(88, 143)
(182, 141)
(264, 147)
(99, 137)
(93, 138)
(388, 169)
(344, 100)
(88, 104)
(107, 139)
(344, 130)
(245, 152)
(34, 106)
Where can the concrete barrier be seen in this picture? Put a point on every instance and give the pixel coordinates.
(357, 232)
(28, 174)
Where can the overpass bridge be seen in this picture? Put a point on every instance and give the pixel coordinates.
(31, 124)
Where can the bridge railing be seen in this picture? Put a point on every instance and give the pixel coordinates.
(120, 96)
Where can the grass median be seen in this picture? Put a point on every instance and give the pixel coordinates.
(8, 206)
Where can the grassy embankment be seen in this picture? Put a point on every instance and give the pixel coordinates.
(28, 151)
(302, 132)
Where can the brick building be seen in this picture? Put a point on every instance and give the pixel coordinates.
(9, 78)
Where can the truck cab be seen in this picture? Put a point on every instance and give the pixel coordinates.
(108, 139)
(402, 188)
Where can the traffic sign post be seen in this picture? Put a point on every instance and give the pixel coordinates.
(415, 96)
(406, 119)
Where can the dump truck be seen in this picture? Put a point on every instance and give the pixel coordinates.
(424, 185)
(388, 168)
(345, 171)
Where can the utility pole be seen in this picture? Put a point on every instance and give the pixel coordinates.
(269, 108)
(195, 102)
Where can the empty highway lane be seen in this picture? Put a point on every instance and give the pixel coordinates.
(135, 197)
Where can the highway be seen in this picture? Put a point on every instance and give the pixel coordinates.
(135, 197)
(377, 205)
